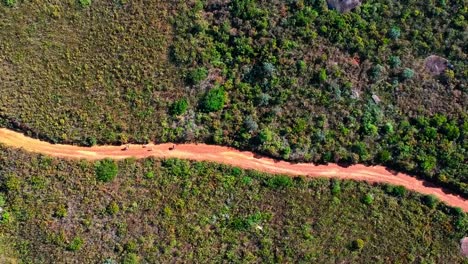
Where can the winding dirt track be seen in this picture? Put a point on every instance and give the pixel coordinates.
(246, 160)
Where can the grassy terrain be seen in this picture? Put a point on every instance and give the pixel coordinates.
(274, 77)
(159, 211)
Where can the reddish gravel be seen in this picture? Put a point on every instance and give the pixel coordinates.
(230, 156)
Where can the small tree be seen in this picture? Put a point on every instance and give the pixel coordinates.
(394, 61)
(407, 73)
(357, 244)
(194, 77)
(106, 170)
(250, 124)
(84, 3)
(368, 199)
(214, 100)
(179, 107)
(430, 200)
(9, 3)
(112, 208)
(394, 33)
(76, 244)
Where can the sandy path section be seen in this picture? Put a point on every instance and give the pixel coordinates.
(230, 156)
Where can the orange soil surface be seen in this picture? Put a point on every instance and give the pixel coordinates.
(230, 156)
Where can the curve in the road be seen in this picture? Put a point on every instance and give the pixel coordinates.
(242, 159)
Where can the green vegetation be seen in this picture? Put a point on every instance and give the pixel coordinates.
(84, 3)
(9, 3)
(179, 107)
(214, 100)
(106, 170)
(203, 212)
(275, 77)
(197, 75)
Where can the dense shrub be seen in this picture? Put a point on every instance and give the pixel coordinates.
(106, 170)
(336, 187)
(214, 100)
(84, 3)
(431, 201)
(195, 76)
(179, 107)
(9, 3)
(368, 199)
(279, 182)
(358, 244)
(75, 244)
(407, 73)
(395, 33)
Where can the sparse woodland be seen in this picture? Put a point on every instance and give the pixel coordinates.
(291, 79)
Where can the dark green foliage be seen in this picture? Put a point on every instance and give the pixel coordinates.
(376, 71)
(431, 201)
(90, 141)
(243, 224)
(195, 76)
(336, 187)
(394, 61)
(179, 107)
(106, 170)
(399, 191)
(214, 100)
(9, 3)
(279, 182)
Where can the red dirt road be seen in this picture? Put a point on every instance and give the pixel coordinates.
(242, 159)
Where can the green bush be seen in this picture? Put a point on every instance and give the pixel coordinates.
(407, 73)
(6, 217)
(84, 3)
(106, 170)
(179, 107)
(368, 199)
(377, 71)
(131, 258)
(394, 61)
(279, 182)
(76, 244)
(394, 33)
(336, 187)
(194, 77)
(9, 3)
(61, 211)
(431, 201)
(399, 191)
(357, 244)
(214, 100)
(149, 175)
(323, 75)
(90, 141)
(112, 208)
(2, 200)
